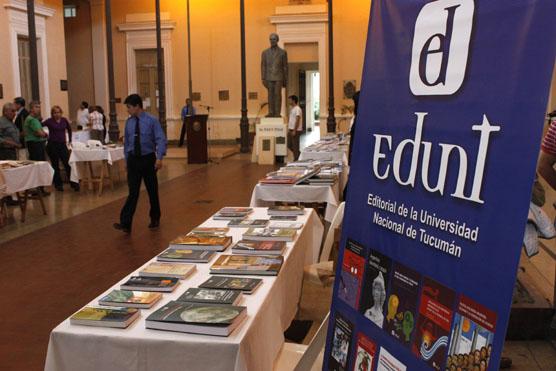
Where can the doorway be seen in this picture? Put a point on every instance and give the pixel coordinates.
(147, 79)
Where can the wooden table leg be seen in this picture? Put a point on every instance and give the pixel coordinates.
(41, 200)
(23, 204)
(101, 180)
(90, 175)
(109, 172)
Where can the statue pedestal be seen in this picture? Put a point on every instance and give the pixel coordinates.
(276, 128)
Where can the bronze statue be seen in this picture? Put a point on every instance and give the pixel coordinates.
(274, 71)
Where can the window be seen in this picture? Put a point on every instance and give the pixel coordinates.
(70, 11)
(24, 66)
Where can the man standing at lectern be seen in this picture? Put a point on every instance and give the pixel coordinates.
(144, 148)
(274, 71)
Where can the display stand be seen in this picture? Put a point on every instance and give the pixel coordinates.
(272, 127)
(197, 143)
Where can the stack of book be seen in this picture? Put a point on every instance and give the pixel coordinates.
(270, 234)
(284, 210)
(105, 317)
(259, 265)
(287, 176)
(259, 247)
(204, 242)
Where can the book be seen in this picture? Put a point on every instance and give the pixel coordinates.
(105, 317)
(209, 231)
(159, 284)
(285, 225)
(259, 247)
(247, 223)
(270, 234)
(365, 351)
(430, 342)
(247, 264)
(243, 284)
(291, 218)
(161, 269)
(376, 283)
(341, 344)
(130, 299)
(402, 303)
(386, 361)
(195, 318)
(351, 275)
(211, 296)
(199, 242)
(185, 256)
(473, 331)
(286, 210)
(229, 213)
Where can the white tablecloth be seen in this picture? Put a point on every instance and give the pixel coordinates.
(253, 346)
(264, 194)
(19, 179)
(82, 155)
(339, 155)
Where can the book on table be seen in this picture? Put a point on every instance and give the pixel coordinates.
(287, 176)
(158, 284)
(285, 225)
(185, 256)
(260, 265)
(270, 234)
(211, 296)
(290, 218)
(247, 223)
(209, 231)
(286, 210)
(259, 247)
(164, 269)
(244, 284)
(229, 213)
(195, 318)
(130, 299)
(200, 242)
(105, 317)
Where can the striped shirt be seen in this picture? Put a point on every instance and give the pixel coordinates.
(549, 141)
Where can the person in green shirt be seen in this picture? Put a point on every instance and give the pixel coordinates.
(35, 136)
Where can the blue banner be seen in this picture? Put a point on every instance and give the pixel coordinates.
(445, 148)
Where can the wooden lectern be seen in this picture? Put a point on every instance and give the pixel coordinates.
(197, 149)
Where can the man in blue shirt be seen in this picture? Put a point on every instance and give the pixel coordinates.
(144, 147)
(187, 110)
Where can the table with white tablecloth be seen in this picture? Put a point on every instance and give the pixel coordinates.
(253, 346)
(81, 160)
(22, 179)
(266, 194)
(338, 155)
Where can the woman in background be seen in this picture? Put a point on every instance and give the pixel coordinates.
(57, 148)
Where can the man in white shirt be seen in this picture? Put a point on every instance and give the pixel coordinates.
(83, 115)
(96, 119)
(295, 125)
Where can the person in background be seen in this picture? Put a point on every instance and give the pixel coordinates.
(104, 128)
(20, 117)
(57, 148)
(83, 114)
(188, 109)
(9, 134)
(96, 120)
(547, 159)
(295, 125)
(144, 148)
(35, 137)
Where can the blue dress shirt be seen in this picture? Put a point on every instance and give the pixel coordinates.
(152, 137)
(185, 112)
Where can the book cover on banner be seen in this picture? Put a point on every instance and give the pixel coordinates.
(364, 356)
(387, 362)
(341, 344)
(402, 303)
(445, 145)
(472, 334)
(373, 295)
(436, 308)
(351, 275)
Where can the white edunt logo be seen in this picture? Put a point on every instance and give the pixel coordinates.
(441, 47)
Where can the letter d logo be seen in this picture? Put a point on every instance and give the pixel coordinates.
(441, 47)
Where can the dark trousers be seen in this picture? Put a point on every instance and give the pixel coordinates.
(140, 168)
(275, 98)
(294, 143)
(36, 151)
(58, 152)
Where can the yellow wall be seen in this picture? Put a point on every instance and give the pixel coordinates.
(216, 50)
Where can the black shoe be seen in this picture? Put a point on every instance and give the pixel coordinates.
(75, 186)
(154, 224)
(122, 228)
